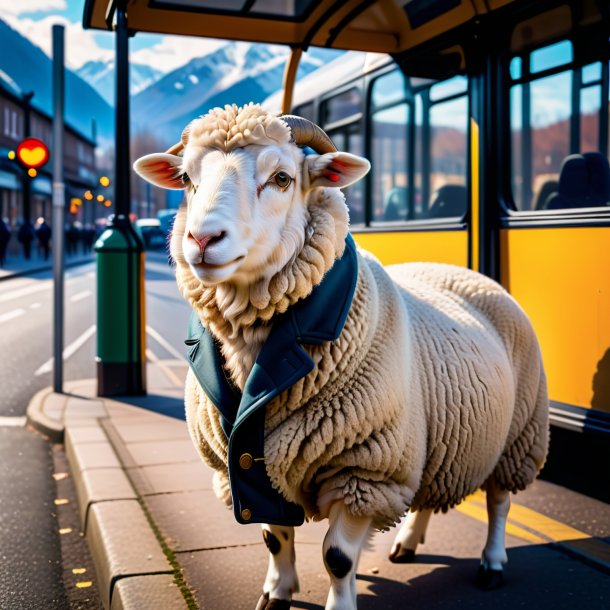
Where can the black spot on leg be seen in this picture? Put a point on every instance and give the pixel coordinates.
(337, 562)
(285, 534)
(273, 544)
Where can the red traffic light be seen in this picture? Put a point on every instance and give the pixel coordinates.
(33, 153)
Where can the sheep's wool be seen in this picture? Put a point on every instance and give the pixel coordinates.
(234, 127)
(435, 383)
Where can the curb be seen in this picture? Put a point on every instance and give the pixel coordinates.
(67, 265)
(36, 418)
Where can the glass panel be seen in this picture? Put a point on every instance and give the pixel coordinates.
(389, 89)
(592, 73)
(447, 88)
(448, 151)
(307, 111)
(389, 171)
(516, 133)
(590, 104)
(354, 194)
(288, 8)
(515, 68)
(550, 125)
(552, 56)
(342, 106)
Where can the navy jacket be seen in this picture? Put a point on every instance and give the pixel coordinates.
(281, 363)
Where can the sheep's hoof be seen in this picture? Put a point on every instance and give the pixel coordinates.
(488, 579)
(402, 555)
(264, 603)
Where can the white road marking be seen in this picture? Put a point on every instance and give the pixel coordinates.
(11, 315)
(23, 292)
(164, 343)
(47, 367)
(162, 364)
(12, 422)
(80, 295)
(35, 306)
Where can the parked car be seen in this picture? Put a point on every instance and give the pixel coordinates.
(153, 236)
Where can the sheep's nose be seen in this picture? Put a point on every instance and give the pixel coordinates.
(203, 241)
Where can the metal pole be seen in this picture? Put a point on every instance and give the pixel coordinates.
(122, 194)
(59, 203)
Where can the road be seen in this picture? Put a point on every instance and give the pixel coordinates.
(31, 552)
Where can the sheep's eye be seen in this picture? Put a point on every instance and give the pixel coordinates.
(282, 179)
(185, 179)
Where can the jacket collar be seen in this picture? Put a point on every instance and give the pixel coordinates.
(282, 361)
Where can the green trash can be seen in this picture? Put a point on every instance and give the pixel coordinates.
(121, 324)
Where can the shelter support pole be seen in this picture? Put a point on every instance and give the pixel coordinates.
(290, 75)
(121, 339)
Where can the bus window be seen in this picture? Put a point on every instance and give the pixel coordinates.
(342, 106)
(307, 111)
(389, 163)
(349, 139)
(556, 114)
(448, 158)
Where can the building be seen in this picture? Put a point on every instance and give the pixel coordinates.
(19, 118)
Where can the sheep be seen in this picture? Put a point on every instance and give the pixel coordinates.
(403, 388)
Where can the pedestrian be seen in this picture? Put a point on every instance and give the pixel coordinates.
(5, 235)
(26, 236)
(43, 233)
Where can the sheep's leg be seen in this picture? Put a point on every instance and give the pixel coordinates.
(411, 533)
(341, 549)
(282, 580)
(489, 575)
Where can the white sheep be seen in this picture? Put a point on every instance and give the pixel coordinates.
(430, 387)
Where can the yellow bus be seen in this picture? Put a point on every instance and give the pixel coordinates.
(486, 122)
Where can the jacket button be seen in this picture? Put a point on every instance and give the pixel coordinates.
(245, 461)
(246, 515)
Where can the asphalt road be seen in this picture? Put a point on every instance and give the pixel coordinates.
(30, 549)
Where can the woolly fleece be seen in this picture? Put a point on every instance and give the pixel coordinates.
(435, 384)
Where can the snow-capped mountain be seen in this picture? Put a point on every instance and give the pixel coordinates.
(27, 68)
(236, 73)
(101, 76)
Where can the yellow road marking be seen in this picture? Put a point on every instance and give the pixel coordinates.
(65, 530)
(544, 529)
(79, 570)
(472, 509)
(84, 584)
(61, 501)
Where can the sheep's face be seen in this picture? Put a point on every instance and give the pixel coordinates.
(246, 208)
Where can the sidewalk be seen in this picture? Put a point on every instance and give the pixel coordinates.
(15, 266)
(160, 540)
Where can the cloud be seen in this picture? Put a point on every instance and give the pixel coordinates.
(175, 51)
(80, 45)
(11, 7)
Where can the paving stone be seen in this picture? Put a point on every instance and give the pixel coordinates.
(83, 407)
(135, 431)
(147, 592)
(122, 544)
(190, 476)
(90, 455)
(184, 520)
(163, 452)
(88, 434)
(99, 485)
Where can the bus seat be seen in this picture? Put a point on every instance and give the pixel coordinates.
(450, 200)
(584, 182)
(548, 190)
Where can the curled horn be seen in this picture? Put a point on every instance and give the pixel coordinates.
(306, 133)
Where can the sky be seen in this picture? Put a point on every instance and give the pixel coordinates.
(34, 18)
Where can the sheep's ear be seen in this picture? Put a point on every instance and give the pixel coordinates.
(337, 169)
(161, 170)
